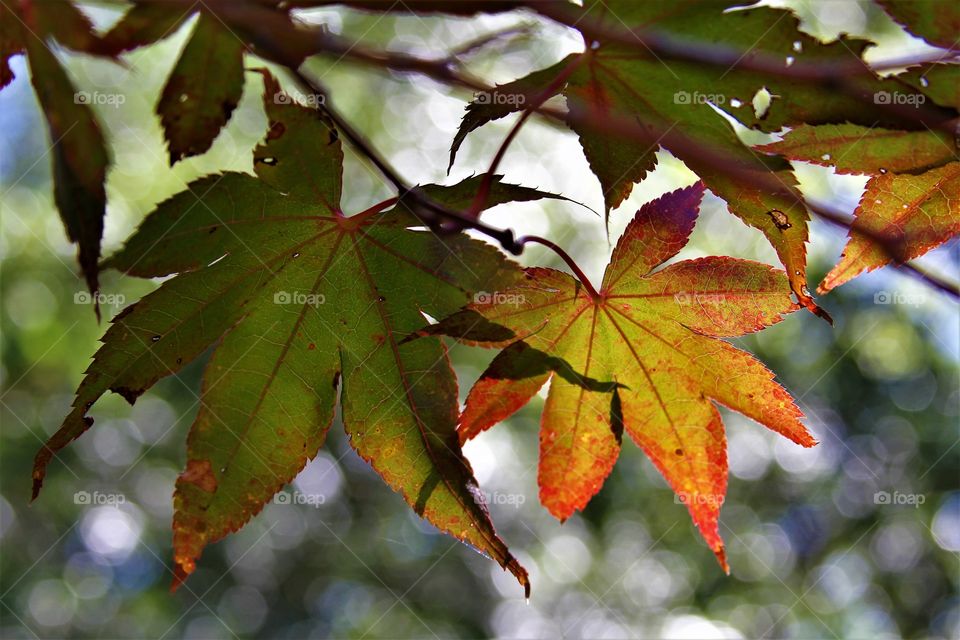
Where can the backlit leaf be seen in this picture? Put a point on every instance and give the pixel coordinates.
(855, 149)
(299, 302)
(77, 149)
(913, 212)
(203, 89)
(652, 334)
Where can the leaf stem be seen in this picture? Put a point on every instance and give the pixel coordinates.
(272, 37)
(484, 191)
(581, 276)
(431, 212)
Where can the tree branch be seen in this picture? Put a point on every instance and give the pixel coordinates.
(274, 37)
(481, 198)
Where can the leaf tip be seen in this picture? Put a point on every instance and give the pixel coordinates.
(721, 555)
(513, 566)
(811, 306)
(180, 574)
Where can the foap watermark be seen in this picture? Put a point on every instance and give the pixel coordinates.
(309, 100)
(696, 297)
(685, 97)
(101, 299)
(896, 297)
(898, 97)
(509, 499)
(299, 298)
(98, 499)
(499, 97)
(99, 98)
(297, 498)
(899, 499)
(499, 297)
(684, 497)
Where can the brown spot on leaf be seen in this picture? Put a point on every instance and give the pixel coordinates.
(200, 473)
(311, 346)
(679, 452)
(779, 219)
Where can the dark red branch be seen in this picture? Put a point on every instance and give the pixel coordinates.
(581, 276)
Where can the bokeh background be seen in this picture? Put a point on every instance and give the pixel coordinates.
(815, 549)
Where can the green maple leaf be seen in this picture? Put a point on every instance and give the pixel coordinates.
(642, 355)
(299, 301)
(937, 81)
(679, 97)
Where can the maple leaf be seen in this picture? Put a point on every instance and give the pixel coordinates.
(298, 301)
(143, 24)
(852, 148)
(915, 212)
(653, 335)
(910, 205)
(79, 155)
(681, 97)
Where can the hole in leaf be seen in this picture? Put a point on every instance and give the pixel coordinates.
(762, 100)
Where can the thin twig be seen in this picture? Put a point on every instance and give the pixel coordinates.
(581, 276)
(484, 191)
(472, 46)
(892, 248)
(274, 37)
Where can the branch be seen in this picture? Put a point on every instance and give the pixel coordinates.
(482, 193)
(431, 212)
(472, 46)
(566, 258)
(893, 248)
(667, 45)
(274, 37)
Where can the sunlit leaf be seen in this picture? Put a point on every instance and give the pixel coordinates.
(913, 213)
(641, 356)
(855, 149)
(300, 302)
